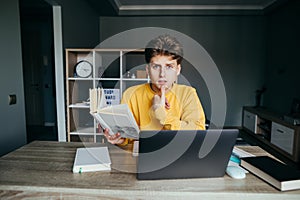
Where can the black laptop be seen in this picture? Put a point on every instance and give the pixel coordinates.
(184, 154)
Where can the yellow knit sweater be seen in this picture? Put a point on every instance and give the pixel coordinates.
(185, 113)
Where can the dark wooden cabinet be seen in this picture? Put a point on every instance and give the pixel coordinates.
(272, 132)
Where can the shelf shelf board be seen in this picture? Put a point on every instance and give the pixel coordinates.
(85, 134)
(79, 105)
(84, 131)
(135, 79)
(107, 79)
(123, 79)
(80, 79)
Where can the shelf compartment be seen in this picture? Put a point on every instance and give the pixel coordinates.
(74, 56)
(264, 127)
(107, 64)
(132, 61)
(78, 91)
(81, 121)
(109, 84)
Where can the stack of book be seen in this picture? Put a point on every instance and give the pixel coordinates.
(278, 174)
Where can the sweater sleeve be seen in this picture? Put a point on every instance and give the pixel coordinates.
(191, 118)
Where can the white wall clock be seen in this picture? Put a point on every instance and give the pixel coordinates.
(83, 69)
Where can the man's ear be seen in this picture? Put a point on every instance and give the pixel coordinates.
(178, 69)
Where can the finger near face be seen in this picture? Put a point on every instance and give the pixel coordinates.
(158, 86)
(163, 89)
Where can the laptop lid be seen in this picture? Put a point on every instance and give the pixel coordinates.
(184, 154)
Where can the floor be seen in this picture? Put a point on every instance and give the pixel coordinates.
(48, 133)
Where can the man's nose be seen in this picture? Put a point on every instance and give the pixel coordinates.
(162, 72)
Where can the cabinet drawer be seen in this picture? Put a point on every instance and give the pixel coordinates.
(283, 137)
(250, 121)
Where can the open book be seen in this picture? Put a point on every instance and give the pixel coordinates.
(116, 118)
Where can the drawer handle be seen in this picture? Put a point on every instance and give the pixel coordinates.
(280, 131)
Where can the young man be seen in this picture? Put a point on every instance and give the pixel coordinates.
(162, 104)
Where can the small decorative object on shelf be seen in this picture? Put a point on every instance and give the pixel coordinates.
(127, 74)
(258, 96)
(83, 69)
(112, 96)
(141, 74)
(133, 75)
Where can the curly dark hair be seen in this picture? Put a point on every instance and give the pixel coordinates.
(164, 45)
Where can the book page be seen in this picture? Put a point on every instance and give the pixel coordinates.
(97, 99)
(120, 123)
(101, 121)
(93, 100)
(121, 109)
(116, 109)
(118, 119)
(101, 102)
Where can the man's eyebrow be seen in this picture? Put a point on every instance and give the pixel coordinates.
(155, 63)
(167, 63)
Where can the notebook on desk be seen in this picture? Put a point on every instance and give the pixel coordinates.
(184, 154)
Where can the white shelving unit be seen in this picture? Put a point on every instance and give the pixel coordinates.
(110, 67)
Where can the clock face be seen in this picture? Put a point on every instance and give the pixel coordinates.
(84, 69)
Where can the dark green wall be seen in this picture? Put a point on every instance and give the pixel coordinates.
(283, 58)
(237, 44)
(80, 24)
(12, 117)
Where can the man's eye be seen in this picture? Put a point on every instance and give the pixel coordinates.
(155, 66)
(169, 67)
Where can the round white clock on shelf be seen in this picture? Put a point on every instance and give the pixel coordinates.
(83, 69)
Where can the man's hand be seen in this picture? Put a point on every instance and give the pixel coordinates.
(113, 139)
(160, 100)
